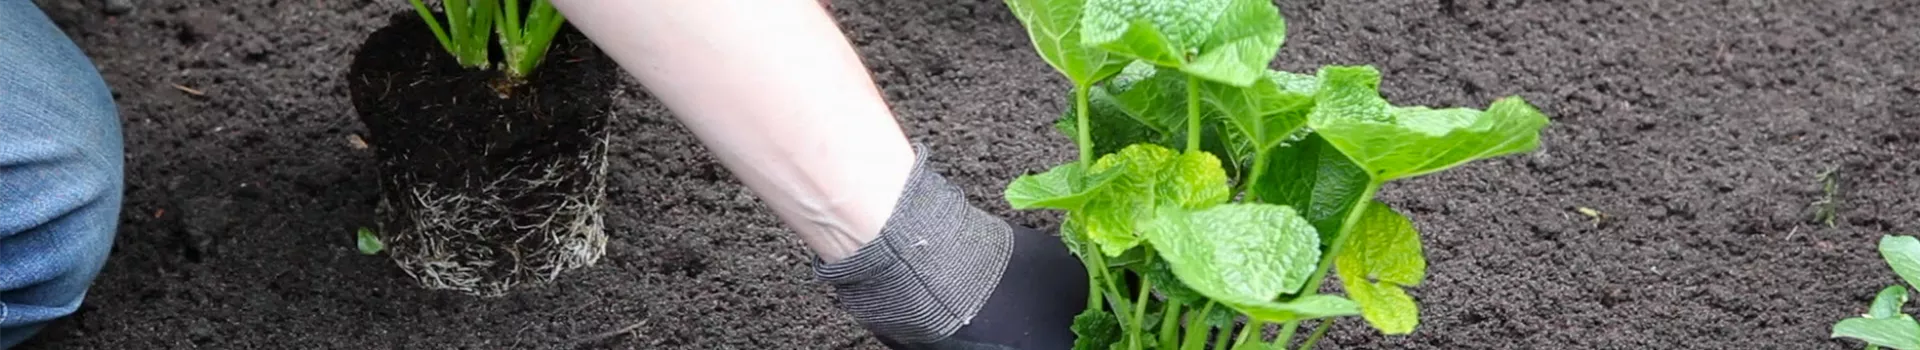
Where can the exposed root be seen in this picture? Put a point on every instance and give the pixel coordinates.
(475, 242)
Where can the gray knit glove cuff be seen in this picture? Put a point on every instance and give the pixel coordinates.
(936, 261)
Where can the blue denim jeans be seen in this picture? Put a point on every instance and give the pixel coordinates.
(60, 172)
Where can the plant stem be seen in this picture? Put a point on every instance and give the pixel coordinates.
(1140, 311)
(1193, 114)
(434, 24)
(1318, 331)
(1326, 261)
(1094, 292)
(1100, 266)
(1252, 327)
(543, 22)
(1084, 125)
(1220, 339)
(1169, 325)
(1346, 230)
(1286, 334)
(511, 31)
(1197, 327)
(1259, 170)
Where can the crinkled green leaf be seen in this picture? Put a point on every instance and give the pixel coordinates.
(1899, 332)
(1228, 41)
(1903, 254)
(1054, 28)
(1383, 256)
(1262, 113)
(1385, 247)
(1294, 82)
(1110, 218)
(1887, 303)
(1162, 32)
(1402, 142)
(1303, 308)
(1246, 253)
(1312, 174)
(1243, 43)
(1065, 187)
(1147, 177)
(1195, 181)
(1095, 330)
(1385, 306)
(1109, 224)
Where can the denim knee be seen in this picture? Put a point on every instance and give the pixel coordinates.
(61, 172)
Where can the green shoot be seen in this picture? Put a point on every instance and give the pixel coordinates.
(470, 24)
(526, 42)
(368, 243)
(1827, 208)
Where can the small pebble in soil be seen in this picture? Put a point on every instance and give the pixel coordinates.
(118, 7)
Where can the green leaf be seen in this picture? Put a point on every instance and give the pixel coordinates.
(1903, 254)
(1239, 253)
(1887, 304)
(1148, 104)
(1294, 82)
(1152, 96)
(1396, 142)
(1147, 177)
(1113, 128)
(1228, 41)
(1303, 308)
(1312, 174)
(1065, 187)
(1899, 332)
(368, 242)
(1385, 306)
(1263, 113)
(1161, 275)
(1385, 247)
(1195, 181)
(1095, 330)
(1054, 28)
(1383, 256)
(1242, 44)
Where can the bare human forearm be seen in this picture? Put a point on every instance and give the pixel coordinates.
(776, 91)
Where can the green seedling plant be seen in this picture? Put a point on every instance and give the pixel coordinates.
(470, 23)
(1884, 325)
(368, 242)
(1211, 189)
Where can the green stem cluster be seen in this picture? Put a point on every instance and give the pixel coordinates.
(470, 23)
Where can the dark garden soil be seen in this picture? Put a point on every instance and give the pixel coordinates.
(1696, 127)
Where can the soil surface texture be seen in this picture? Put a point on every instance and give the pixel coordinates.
(1698, 129)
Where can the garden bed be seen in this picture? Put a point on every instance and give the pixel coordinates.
(1696, 128)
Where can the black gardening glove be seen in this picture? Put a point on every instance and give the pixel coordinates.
(944, 274)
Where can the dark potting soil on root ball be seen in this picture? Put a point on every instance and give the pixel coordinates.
(1696, 127)
(486, 184)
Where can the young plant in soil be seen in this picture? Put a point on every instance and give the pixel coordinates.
(1884, 324)
(491, 155)
(1211, 188)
